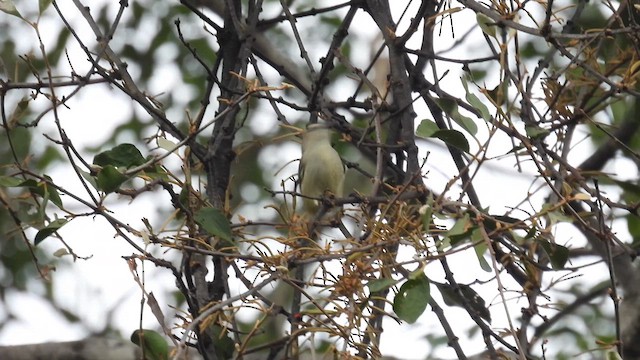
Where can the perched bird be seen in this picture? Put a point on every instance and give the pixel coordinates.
(321, 169)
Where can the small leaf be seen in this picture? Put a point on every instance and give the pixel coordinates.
(426, 213)
(555, 216)
(156, 172)
(558, 254)
(633, 225)
(427, 128)
(109, 179)
(167, 145)
(497, 94)
(50, 192)
(531, 233)
(412, 299)
(33, 186)
(487, 25)
(9, 7)
(19, 111)
(474, 101)
(480, 248)
(87, 176)
(536, 132)
(43, 5)
(214, 222)
(460, 227)
(48, 230)
(154, 345)
(478, 105)
(60, 252)
(460, 231)
(450, 107)
(453, 138)
(123, 155)
(10, 181)
(582, 196)
(224, 345)
(612, 354)
(43, 189)
(380, 284)
(416, 274)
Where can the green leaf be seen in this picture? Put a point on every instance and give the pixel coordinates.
(612, 354)
(10, 181)
(450, 107)
(48, 230)
(555, 216)
(536, 132)
(87, 176)
(61, 252)
(380, 284)
(427, 128)
(619, 110)
(474, 101)
(497, 94)
(478, 105)
(460, 227)
(109, 179)
(154, 345)
(487, 25)
(156, 172)
(453, 138)
(19, 111)
(478, 74)
(214, 222)
(426, 213)
(123, 155)
(466, 296)
(558, 254)
(167, 145)
(43, 5)
(460, 231)
(528, 50)
(412, 299)
(480, 248)
(224, 345)
(9, 7)
(50, 192)
(183, 198)
(43, 189)
(33, 186)
(633, 225)
(416, 274)
(531, 232)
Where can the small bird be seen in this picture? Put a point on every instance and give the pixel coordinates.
(321, 169)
